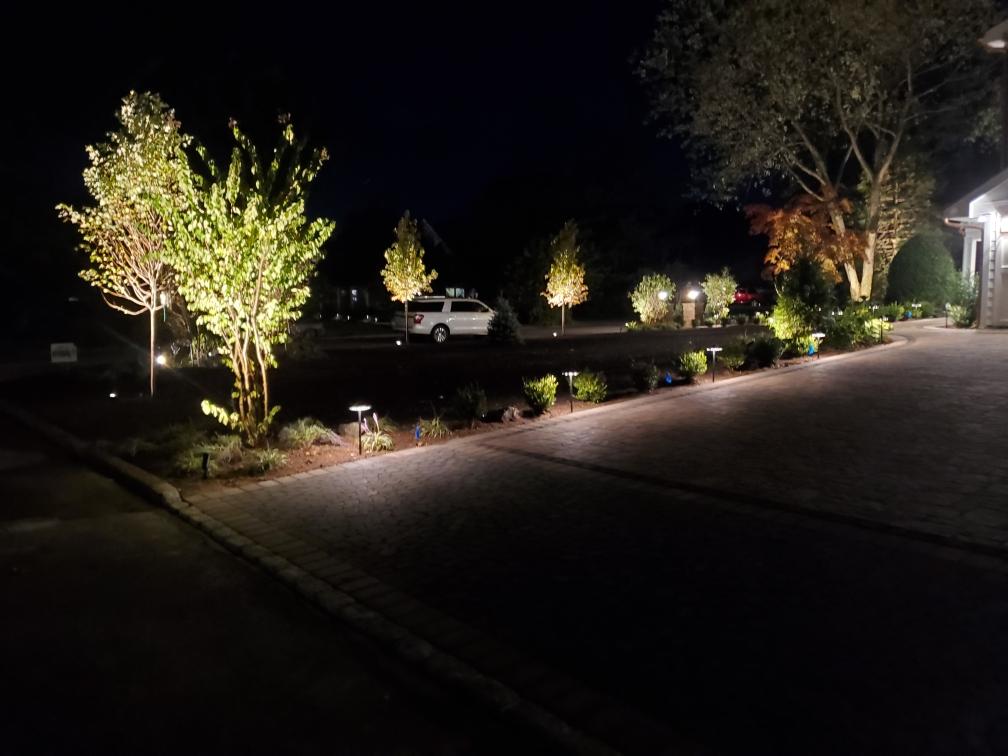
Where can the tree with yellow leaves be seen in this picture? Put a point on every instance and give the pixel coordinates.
(565, 284)
(404, 273)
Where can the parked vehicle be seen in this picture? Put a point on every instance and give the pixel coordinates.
(441, 317)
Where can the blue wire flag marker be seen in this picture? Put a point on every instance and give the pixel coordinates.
(417, 432)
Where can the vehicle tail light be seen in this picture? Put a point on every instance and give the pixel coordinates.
(417, 319)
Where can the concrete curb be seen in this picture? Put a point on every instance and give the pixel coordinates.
(444, 667)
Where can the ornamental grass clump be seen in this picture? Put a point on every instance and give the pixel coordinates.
(540, 393)
(434, 428)
(692, 364)
(305, 432)
(590, 387)
(375, 439)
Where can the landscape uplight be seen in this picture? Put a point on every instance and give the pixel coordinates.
(947, 305)
(713, 351)
(662, 295)
(360, 409)
(112, 395)
(161, 360)
(693, 294)
(570, 386)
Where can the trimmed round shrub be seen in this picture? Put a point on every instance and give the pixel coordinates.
(922, 271)
(733, 355)
(590, 387)
(692, 364)
(764, 351)
(470, 402)
(645, 375)
(540, 393)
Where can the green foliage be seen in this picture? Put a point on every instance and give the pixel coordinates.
(922, 272)
(633, 326)
(894, 311)
(471, 402)
(504, 327)
(807, 282)
(376, 440)
(404, 274)
(692, 364)
(264, 460)
(305, 432)
(792, 322)
(224, 451)
(719, 288)
(565, 282)
(733, 354)
(965, 301)
(645, 375)
(856, 326)
(647, 302)
(540, 393)
(131, 179)
(244, 253)
(590, 386)
(764, 351)
(434, 428)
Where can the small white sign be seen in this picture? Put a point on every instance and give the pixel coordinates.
(65, 352)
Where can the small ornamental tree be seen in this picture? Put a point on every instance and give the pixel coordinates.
(245, 253)
(647, 300)
(719, 289)
(404, 273)
(131, 179)
(565, 284)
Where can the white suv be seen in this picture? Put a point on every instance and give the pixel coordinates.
(440, 317)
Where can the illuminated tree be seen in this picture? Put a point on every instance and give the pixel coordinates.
(404, 273)
(647, 300)
(565, 284)
(804, 230)
(132, 180)
(822, 93)
(245, 253)
(719, 289)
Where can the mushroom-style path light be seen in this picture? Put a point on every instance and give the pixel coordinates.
(570, 386)
(713, 351)
(360, 409)
(818, 336)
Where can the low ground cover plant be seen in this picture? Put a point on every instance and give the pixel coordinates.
(305, 432)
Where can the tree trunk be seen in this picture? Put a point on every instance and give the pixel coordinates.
(562, 321)
(153, 325)
(406, 322)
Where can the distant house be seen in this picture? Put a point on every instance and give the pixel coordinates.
(982, 217)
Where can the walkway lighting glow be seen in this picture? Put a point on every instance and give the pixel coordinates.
(714, 351)
(360, 409)
(570, 386)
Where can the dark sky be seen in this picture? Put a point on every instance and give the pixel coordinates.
(494, 124)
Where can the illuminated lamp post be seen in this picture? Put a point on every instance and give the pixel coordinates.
(360, 409)
(713, 351)
(569, 374)
(818, 336)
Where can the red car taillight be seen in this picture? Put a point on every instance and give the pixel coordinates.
(417, 319)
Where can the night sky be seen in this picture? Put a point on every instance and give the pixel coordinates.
(493, 126)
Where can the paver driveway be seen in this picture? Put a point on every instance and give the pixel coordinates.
(646, 549)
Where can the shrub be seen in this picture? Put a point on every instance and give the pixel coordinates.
(504, 327)
(922, 271)
(733, 354)
(961, 316)
(893, 312)
(590, 387)
(633, 325)
(719, 289)
(225, 450)
(645, 375)
(305, 432)
(646, 299)
(791, 319)
(470, 402)
(692, 364)
(807, 282)
(540, 393)
(434, 428)
(926, 310)
(764, 351)
(855, 326)
(964, 302)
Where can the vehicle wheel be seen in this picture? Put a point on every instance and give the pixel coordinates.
(440, 334)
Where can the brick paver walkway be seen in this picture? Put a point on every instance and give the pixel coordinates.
(651, 549)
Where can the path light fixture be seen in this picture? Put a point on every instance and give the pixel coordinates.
(947, 305)
(713, 351)
(398, 342)
(360, 409)
(818, 336)
(161, 360)
(554, 334)
(165, 300)
(570, 386)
